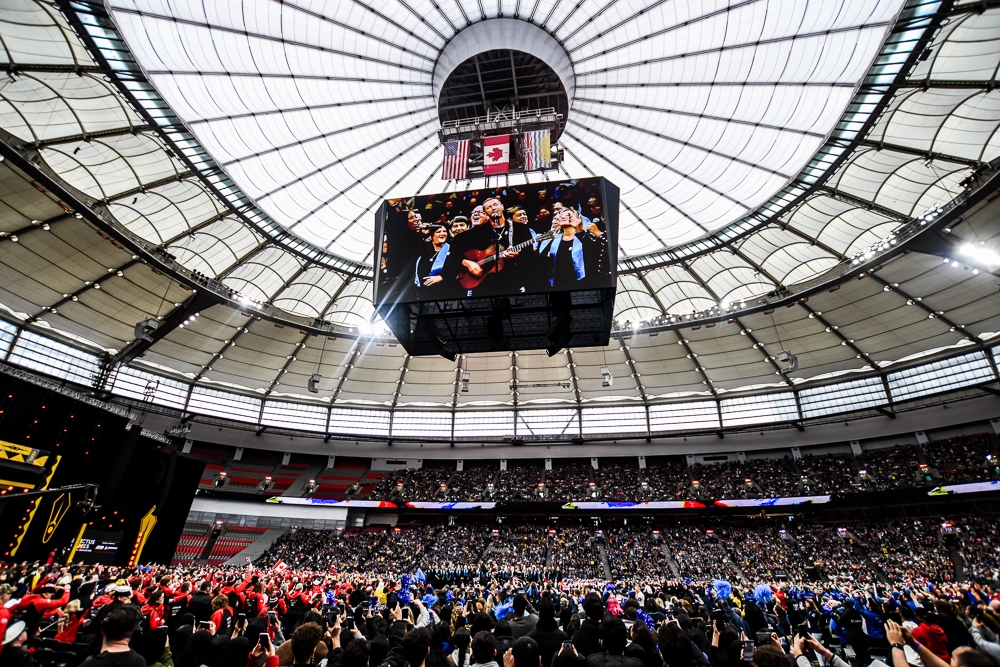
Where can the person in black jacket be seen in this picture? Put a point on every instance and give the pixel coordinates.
(547, 632)
(587, 639)
(200, 603)
(523, 654)
(613, 638)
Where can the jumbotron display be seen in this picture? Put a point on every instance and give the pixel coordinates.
(506, 268)
(542, 237)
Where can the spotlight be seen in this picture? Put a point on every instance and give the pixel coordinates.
(312, 382)
(220, 479)
(466, 376)
(609, 378)
(311, 487)
(144, 330)
(790, 361)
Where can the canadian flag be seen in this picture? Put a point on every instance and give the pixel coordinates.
(496, 155)
(280, 566)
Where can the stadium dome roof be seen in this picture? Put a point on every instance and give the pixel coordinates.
(805, 165)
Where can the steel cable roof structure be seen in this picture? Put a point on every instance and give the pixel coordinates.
(792, 176)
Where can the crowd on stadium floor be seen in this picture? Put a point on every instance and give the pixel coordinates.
(953, 461)
(385, 612)
(765, 550)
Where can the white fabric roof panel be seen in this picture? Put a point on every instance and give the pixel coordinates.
(203, 59)
(699, 153)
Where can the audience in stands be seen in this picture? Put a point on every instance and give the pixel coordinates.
(956, 460)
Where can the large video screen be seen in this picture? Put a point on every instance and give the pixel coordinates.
(539, 237)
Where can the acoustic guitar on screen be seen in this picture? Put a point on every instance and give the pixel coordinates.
(490, 262)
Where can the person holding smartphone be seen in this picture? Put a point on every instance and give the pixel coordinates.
(801, 644)
(264, 647)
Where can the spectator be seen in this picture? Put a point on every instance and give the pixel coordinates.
(116, 632)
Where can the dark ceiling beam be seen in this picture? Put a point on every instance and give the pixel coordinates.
(221, 353)
(733, 84)
(927, 84)
(194, 229)
(640, 182)
(381, 197)
(285, 285)
(756, 344)
(636, 375)
(513, 73)
(326, 135)
(482, 90)
(355, 353)
(576, 384)
(668, 167)
(43, 225)
(199, 301)
(91, 136)
(621, 202)
(284, 41)
(288, 362)
(239, 261)
(710, 51)
(146, 187)
(306, 107)
(15, 68)
(400, 380)
(665, 137)
(847, 198)
(977, 7)
(75, 296)
(361, 179)
(456, 385)
(931, 314)
(844, 340)
(698, 116)
(792, 229)
(341, 160)
(928, 155)
(947, 245)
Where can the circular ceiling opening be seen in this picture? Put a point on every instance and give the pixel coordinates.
(501, 79)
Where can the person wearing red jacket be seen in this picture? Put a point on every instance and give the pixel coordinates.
(931, 635)
(34, 605)
(6, 591)
(153, 611)
(222, 615)
(71, 621)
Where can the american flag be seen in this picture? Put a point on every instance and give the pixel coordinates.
(456, 160)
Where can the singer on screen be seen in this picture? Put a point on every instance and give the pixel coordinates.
(431, 262)
(574, 253)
